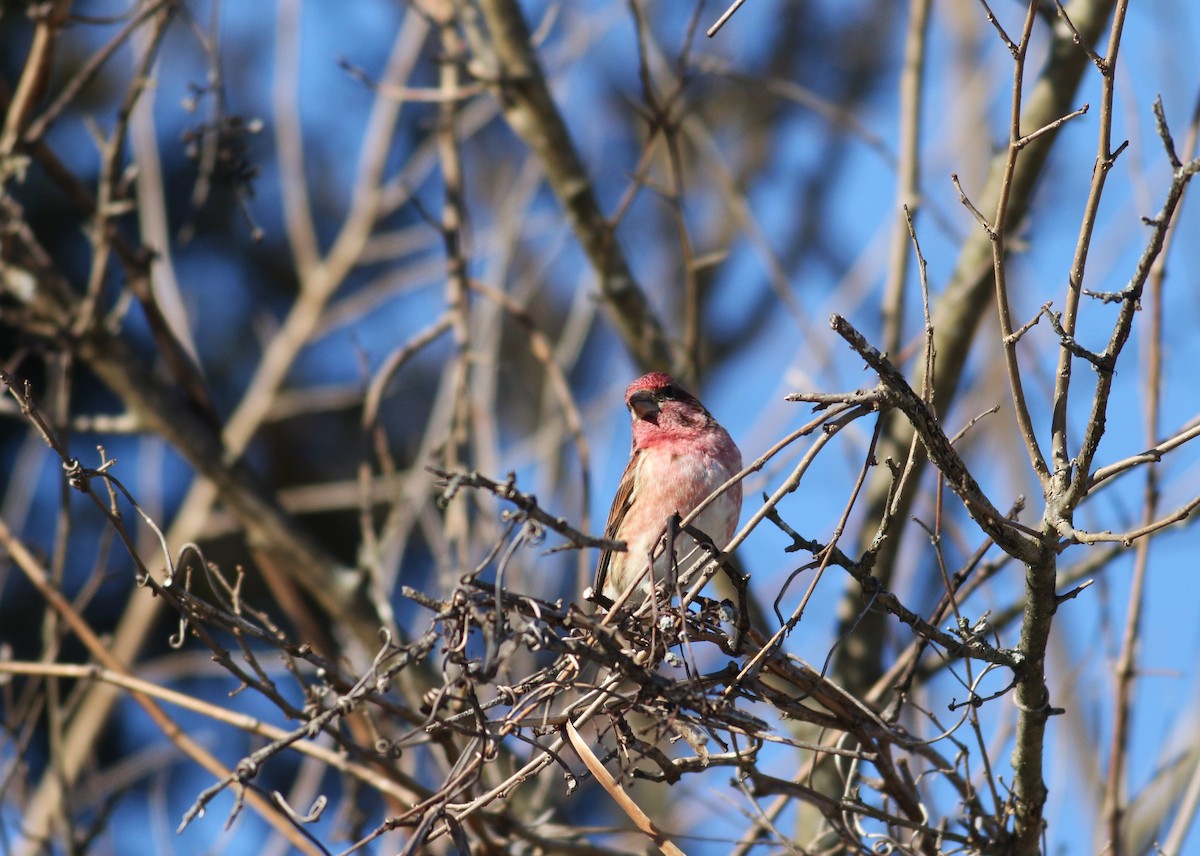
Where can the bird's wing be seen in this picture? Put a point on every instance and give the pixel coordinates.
(616, 515)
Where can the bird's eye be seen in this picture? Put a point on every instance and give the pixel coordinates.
(669, 392)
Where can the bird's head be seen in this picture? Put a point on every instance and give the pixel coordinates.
(659, 399)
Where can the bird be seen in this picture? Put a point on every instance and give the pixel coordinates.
(679, 456)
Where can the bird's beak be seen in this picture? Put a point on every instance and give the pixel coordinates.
(644, 405)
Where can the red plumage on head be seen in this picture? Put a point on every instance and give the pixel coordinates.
(653, 381)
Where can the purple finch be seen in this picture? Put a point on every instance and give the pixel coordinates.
(680, 456)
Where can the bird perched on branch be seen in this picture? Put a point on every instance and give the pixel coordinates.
(680, 456)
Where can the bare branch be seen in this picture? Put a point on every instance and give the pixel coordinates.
(1017, 540)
